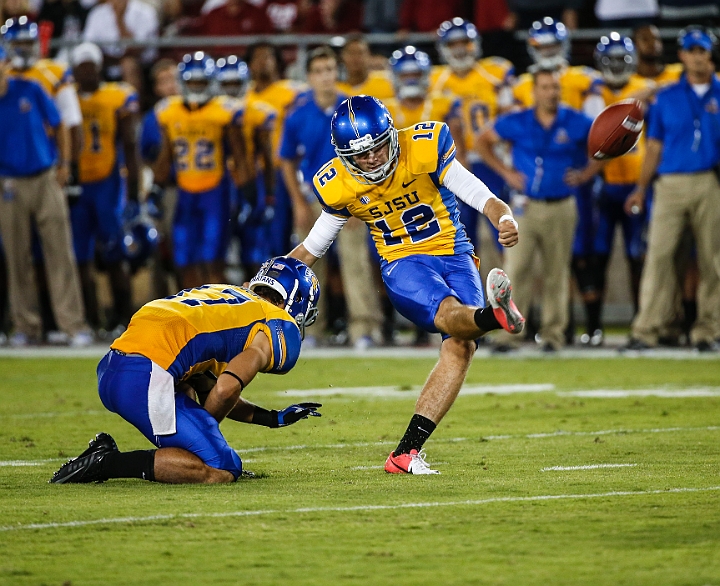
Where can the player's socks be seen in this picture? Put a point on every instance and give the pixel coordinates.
(137, 464)
(416, 435)
(593, 310)
(485, 319)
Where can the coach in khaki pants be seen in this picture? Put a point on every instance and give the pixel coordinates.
(31, 191)
(683, 147)
(548, 151)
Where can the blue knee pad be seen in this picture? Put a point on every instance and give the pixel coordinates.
(416, 285)
(123, 383)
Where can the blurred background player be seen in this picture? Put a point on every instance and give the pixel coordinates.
(110, 116)
(404, 185)
(549, 162)
(580, 88)
(251, 207)
(22, 43)
(306, 146)
(616, 59)
(650, 62)
(483, 87)
(30, 161)
(359, 78)
(266, 85)
(196, 127)
(222, 333)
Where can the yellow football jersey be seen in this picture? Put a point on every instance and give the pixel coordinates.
(377, 85)
(257, 115)
(625, 170)
(204, 328)
(52, 76)
(576, 83)
(411, 212)
(196, 136)
(478, 90)
(435, 107)
(101, 111)
(281, 95)
(671, 74)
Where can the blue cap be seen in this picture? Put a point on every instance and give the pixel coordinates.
(696, 38)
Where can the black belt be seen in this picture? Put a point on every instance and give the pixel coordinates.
(552, 199)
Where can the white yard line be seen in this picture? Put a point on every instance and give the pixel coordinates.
(358, 508)
(413, 392)
(586, 467)
(350, 445)
(624, 393)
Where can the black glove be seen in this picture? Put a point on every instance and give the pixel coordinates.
(295, 413)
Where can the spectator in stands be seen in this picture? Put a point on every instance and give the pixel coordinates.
(235, 17)
(334, 17)
(615, 14)
(66, 16)
(32, 171)
(683, 149)
(496, 25)
(548, 164)
(286, 15)
(117, 20)
(528, 11)
(382, 16)
(426, 16)
(306, 147)
(686, 12)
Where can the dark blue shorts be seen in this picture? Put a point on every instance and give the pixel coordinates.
(417, 285)
(96, 215)
(611, 212)
(124, 384)
(201, 226)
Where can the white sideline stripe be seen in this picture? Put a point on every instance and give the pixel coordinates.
(586, 467)
(54, 414)
(414, 391)
(622, 393)
(29, 462)
(558, 433)
(358, 508)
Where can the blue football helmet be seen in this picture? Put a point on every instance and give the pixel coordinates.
(297, 284)
(140, 237)
(459, 44)
(232, 75)
(410, 73)
(361, 124)
(21, 39)
(548, 43)
(616, 59)
(197, 77)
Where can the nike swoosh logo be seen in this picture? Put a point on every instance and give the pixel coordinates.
(408, 183)
(391, 269)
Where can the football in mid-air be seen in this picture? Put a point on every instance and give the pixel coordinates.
(616, 130)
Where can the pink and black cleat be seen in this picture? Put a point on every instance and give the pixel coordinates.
(499, 293)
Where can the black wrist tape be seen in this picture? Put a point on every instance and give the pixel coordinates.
(236, 377)
(265, 417)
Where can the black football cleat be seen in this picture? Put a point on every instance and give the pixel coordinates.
(87, 467)
(101, 439)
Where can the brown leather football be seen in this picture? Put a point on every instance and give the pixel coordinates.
(616, 130)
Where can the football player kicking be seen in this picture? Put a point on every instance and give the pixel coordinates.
(155, 373)
(404, 184)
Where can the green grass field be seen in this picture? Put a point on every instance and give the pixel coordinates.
(324, 512)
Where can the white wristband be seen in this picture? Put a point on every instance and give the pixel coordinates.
(507, 218)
